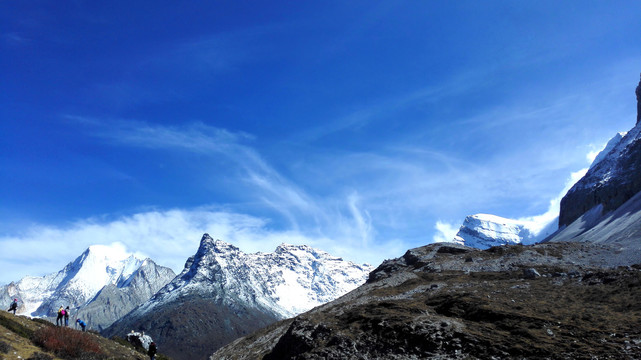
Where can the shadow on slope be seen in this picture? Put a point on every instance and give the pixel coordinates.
(193, 328)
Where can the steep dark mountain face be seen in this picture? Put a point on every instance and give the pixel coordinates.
(442, 301)
(620, 228)
(190, 327)
(609, 184)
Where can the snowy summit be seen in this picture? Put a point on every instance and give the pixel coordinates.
(78, 283)
(289, 281)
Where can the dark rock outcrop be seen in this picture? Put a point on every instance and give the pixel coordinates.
(139, 340)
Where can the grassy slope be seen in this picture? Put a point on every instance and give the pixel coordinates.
(17, 332)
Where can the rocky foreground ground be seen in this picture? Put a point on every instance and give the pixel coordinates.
(442, 301)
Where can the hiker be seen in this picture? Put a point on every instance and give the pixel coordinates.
(638, 93)
(14, 306)
(67, 316)
(61, 314)
(81, 323)
(152, 351)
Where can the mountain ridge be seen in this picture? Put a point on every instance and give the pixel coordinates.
(223, 293)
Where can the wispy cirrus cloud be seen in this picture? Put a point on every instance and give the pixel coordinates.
(209, 141)
(14, 38)
(337, 216)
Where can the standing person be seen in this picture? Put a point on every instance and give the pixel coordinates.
(638, 93)
(67, 316)
(152, 351)
(82, 324)
(14, 306)
(61, 314)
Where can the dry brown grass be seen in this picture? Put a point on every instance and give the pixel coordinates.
(66, 343)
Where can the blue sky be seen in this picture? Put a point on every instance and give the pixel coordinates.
(362, 128)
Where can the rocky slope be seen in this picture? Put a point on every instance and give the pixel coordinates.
(223, 293)
(619, 229)
(101, 285)
(445, 301)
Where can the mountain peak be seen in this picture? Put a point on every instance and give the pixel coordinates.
(292, 279)
(80, 281)
(208, 244)
(115, 251)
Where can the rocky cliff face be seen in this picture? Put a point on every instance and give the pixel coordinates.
(611, 182)
(223, 293)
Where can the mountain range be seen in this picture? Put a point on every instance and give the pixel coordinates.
(223, 293)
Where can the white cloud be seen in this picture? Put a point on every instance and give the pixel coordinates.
(362, 219)
(539, 222)
(592, 155)
(445, 232)
(169, 238)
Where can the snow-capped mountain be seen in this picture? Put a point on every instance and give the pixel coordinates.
(224, 293)
(610, 182)
(289, 281)
(79, 283)
(483, 231)
(611, 145)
